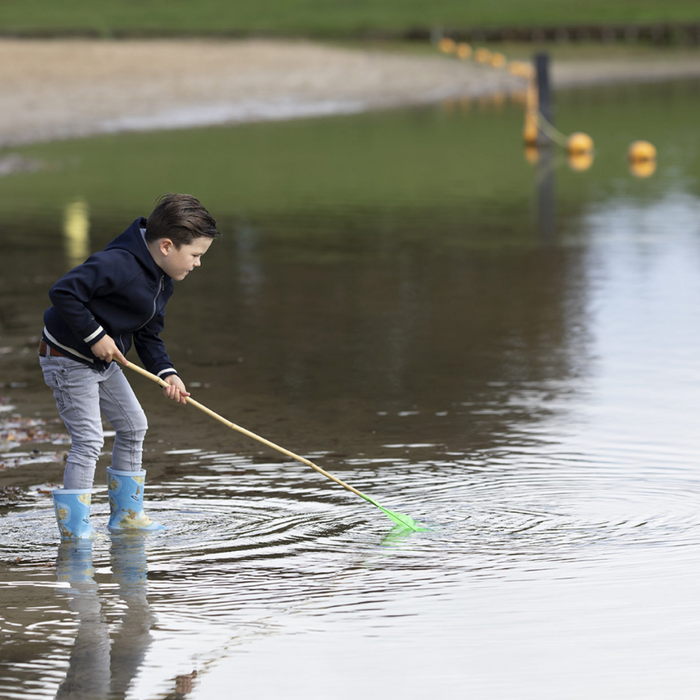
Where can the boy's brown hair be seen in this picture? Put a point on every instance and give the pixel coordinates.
(181, 218)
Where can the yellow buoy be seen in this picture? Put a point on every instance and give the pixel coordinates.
(521, 69)
(482, 55)
(641, 151)
(464, 50)
(578, 143)
(498, 60)
(642, 168)
(446, 45)
(580, 161)
(532, 154)
(530, 130)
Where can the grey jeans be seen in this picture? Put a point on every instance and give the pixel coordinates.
(82, 394)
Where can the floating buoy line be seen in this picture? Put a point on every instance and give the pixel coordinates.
(580, 147)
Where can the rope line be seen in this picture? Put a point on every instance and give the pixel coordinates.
(550, 130)
(449, 46)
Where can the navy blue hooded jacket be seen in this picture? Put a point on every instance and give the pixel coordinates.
(119, 291)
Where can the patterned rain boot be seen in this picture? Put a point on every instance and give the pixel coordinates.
(72, 508)
(125, 491)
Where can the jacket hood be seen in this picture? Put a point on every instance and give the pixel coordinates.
(133, 242)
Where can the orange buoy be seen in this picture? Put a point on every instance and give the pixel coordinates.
(446, 45)
(521, 69)
(643, 168)
(532, 154)
(464, 50)
(641, 151)
(579, 143)
(531, 130)
(498, 60)
(581, 160)
(482, 55)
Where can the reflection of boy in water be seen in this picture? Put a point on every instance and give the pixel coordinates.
(101, 667)
(115, 297)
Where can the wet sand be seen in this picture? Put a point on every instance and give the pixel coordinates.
(63, 89)
(71, 88)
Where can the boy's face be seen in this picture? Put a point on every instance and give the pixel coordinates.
(179, 262)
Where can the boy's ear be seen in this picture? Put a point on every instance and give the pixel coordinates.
(165, 246)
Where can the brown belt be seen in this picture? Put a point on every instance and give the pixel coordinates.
(43, 348)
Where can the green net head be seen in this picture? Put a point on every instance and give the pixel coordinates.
(405, 521)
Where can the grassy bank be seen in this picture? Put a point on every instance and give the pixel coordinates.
(311, 17)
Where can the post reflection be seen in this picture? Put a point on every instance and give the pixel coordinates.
(76, 232)
(545, 195)
(104, 662)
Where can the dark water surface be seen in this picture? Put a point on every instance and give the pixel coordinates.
(509, 355)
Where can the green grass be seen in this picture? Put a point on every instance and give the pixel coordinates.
(322, 18)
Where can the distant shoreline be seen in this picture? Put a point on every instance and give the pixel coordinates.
(72, 88)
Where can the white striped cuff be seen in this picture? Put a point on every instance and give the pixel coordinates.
(93, 335)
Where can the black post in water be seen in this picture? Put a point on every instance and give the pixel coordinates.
(544, 93)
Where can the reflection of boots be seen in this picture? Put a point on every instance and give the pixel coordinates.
(72, 508)
(74, 562)
(126, 501)
(133, 639)
(88, 673)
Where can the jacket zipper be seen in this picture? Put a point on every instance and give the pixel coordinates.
(155, 303)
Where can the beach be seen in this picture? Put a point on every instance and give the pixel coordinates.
(70, 88)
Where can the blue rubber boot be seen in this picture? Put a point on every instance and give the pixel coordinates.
(72, 507)
(125, 491)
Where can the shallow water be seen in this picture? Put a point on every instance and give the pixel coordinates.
(395, 299)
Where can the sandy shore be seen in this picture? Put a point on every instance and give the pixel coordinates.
(70, 88)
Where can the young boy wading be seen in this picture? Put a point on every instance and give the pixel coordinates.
(114, 298)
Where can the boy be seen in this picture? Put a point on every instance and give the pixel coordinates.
(99, 307)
